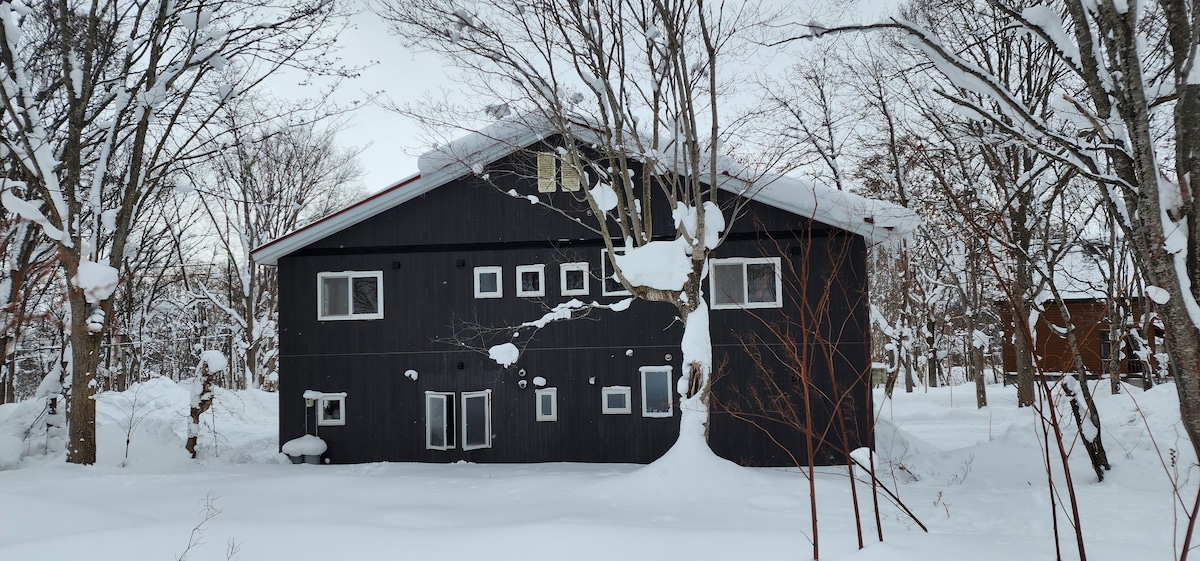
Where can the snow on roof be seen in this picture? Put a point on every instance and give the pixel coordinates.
(1082, 273)
(873, 219)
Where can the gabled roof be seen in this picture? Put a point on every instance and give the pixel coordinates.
(873, 219)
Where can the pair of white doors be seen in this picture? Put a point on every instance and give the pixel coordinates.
(467, 415)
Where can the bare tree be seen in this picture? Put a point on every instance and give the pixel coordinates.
(641, 82)
(276, 175)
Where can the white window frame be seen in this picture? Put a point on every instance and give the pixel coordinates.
(487, 397)
(606, 273)
(499, 293)
(744, 261)
(324, 422)
(616, 390)
(553, 414)
(564, 268)
(540, 269)
(447, 399)
(670, 394)
(350, 276)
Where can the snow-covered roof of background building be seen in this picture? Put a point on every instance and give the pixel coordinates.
(1083, 273)
(873, 219)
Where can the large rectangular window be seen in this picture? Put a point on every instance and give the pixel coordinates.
(745, 282)
(476, 420)
(657, 400)
(439, 420)
(350, 295)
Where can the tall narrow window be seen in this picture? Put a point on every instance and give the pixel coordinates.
(350, 295)
(612, 286)
(547, 404)
(489, 282)
(573, 279)
(439, 420)
(545, 172)
(656, 391)
(531, 280)
(476, 420)
(746, 283)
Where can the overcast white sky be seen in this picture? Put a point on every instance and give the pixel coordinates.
(390, 141)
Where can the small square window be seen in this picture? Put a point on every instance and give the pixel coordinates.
(657, 398)
(489, 282)
(746, 283)
(350, 295)
(614, 400)
(531, 280)
(612, 286)
(573, 279)
(331, 410)
(547, 404)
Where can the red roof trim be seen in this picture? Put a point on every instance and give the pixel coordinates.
(361, 202)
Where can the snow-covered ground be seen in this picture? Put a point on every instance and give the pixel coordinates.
(975, 477)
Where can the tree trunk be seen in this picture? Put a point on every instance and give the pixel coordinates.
(980, 383)
(201, 402)
(908, 373)
(85, 358)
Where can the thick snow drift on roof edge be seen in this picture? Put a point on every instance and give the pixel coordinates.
(872, 218)
(484, 146)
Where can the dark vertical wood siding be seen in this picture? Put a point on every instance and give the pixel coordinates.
(427, 249)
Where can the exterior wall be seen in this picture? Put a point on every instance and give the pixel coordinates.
(427, 250)
(1091, 326)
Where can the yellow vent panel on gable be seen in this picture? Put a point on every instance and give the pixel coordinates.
(570, 173)
(545, 170)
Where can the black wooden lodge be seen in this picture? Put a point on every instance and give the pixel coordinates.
(371, 297)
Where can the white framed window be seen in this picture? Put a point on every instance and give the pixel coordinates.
(489, 282)
(531, 280)
(573, 279)
(350, 295)
(439, 420)
(547, 404)
(331, 410)
(657, 398)
(745, 282)
(611, 286)
(476, 420)
(614, 400)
